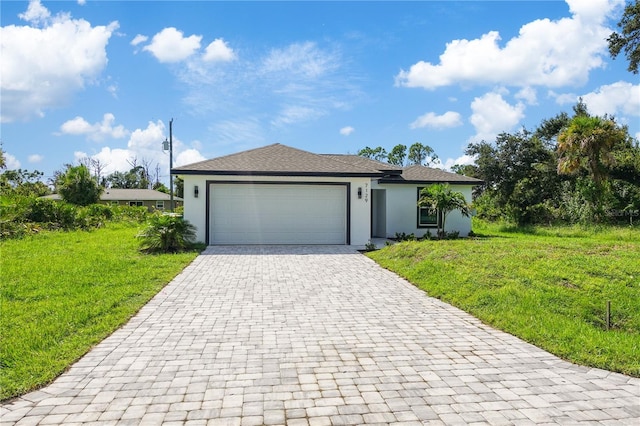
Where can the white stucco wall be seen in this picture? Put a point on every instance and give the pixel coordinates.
(360, 220)
(401, 210)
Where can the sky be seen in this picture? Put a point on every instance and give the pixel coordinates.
(103, 79)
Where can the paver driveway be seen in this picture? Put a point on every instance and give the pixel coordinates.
(317, 335)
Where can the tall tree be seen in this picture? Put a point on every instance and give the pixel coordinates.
(95, 166)
(397, 155)
(77, 186)
(441, 198)
(422, 154)
(628, 39)
(586, 144)
(378, 153)
(519, 177)
(22, 183)
(136, 178)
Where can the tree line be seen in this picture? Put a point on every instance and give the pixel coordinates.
(399, 156)
(570, 169)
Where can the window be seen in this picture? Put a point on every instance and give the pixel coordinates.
(136, 203)
(426, 218)
(160, 205)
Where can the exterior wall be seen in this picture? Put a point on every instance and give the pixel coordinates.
(360, 218)
(402, 210)
(150, 205)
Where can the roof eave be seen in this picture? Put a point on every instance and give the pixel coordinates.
(430, 182)
(274, 173)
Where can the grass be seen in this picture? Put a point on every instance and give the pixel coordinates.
(548, 286)
(63, 292)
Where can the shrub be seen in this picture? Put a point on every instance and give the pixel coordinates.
(130, 213)
(166, 234)
(369, 246)
(401, 236)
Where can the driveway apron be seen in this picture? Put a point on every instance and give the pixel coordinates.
(319, 336)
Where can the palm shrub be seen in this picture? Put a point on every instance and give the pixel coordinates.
(166, 234)
(77, 186)
(440, 197)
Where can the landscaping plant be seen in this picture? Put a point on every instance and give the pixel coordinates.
(167, 233)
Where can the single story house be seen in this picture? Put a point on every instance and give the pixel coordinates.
(150, 198)
(282, 195)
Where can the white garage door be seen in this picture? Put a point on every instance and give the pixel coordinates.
(278, 214)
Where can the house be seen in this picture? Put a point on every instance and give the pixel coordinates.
(152, 199)
(282, 195)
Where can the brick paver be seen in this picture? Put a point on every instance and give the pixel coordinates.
(316, 336)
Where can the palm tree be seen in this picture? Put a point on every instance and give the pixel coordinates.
(586, 143)
(167, 234)
(440, 197)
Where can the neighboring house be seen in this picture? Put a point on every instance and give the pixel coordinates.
(150, 198)
(283, 195)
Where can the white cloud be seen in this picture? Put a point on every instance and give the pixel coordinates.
(300, 59)
(11, 162)
(242, 133)
(188, 156)
(113, 90)
(114, 159)
(346, 131)
(36, 13)
(527, 94)
(170, 45)
(42, 68)
(82, 2)
(289, 85)
(145, 145)
(139, 39)
(292, 114)
(545, 53)
(96, 131)
(594, 10)
(35, 158)
(462, 160)
(620, 97)
(563, 98)
(493, 115)
(218, 51)
(430, 119)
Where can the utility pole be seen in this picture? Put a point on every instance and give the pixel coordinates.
(168, 145)
(171, 163)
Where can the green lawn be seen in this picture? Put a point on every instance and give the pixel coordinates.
(549, 287)
(63, 292)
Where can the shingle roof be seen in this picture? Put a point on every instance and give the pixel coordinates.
(276, 159)
(118, 194)
(362, 161)
(282, 160)
(417, 173)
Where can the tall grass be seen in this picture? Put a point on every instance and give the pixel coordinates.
(63, 292)
(548, 286)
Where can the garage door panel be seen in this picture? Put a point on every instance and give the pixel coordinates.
(278, 214)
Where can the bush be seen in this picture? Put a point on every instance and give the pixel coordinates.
(166, 234)
(401, 236)
(130, 213)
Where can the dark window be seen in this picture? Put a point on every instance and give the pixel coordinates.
(427, 218)
(136, 203)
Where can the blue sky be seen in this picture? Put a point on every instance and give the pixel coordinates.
(102, 79)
